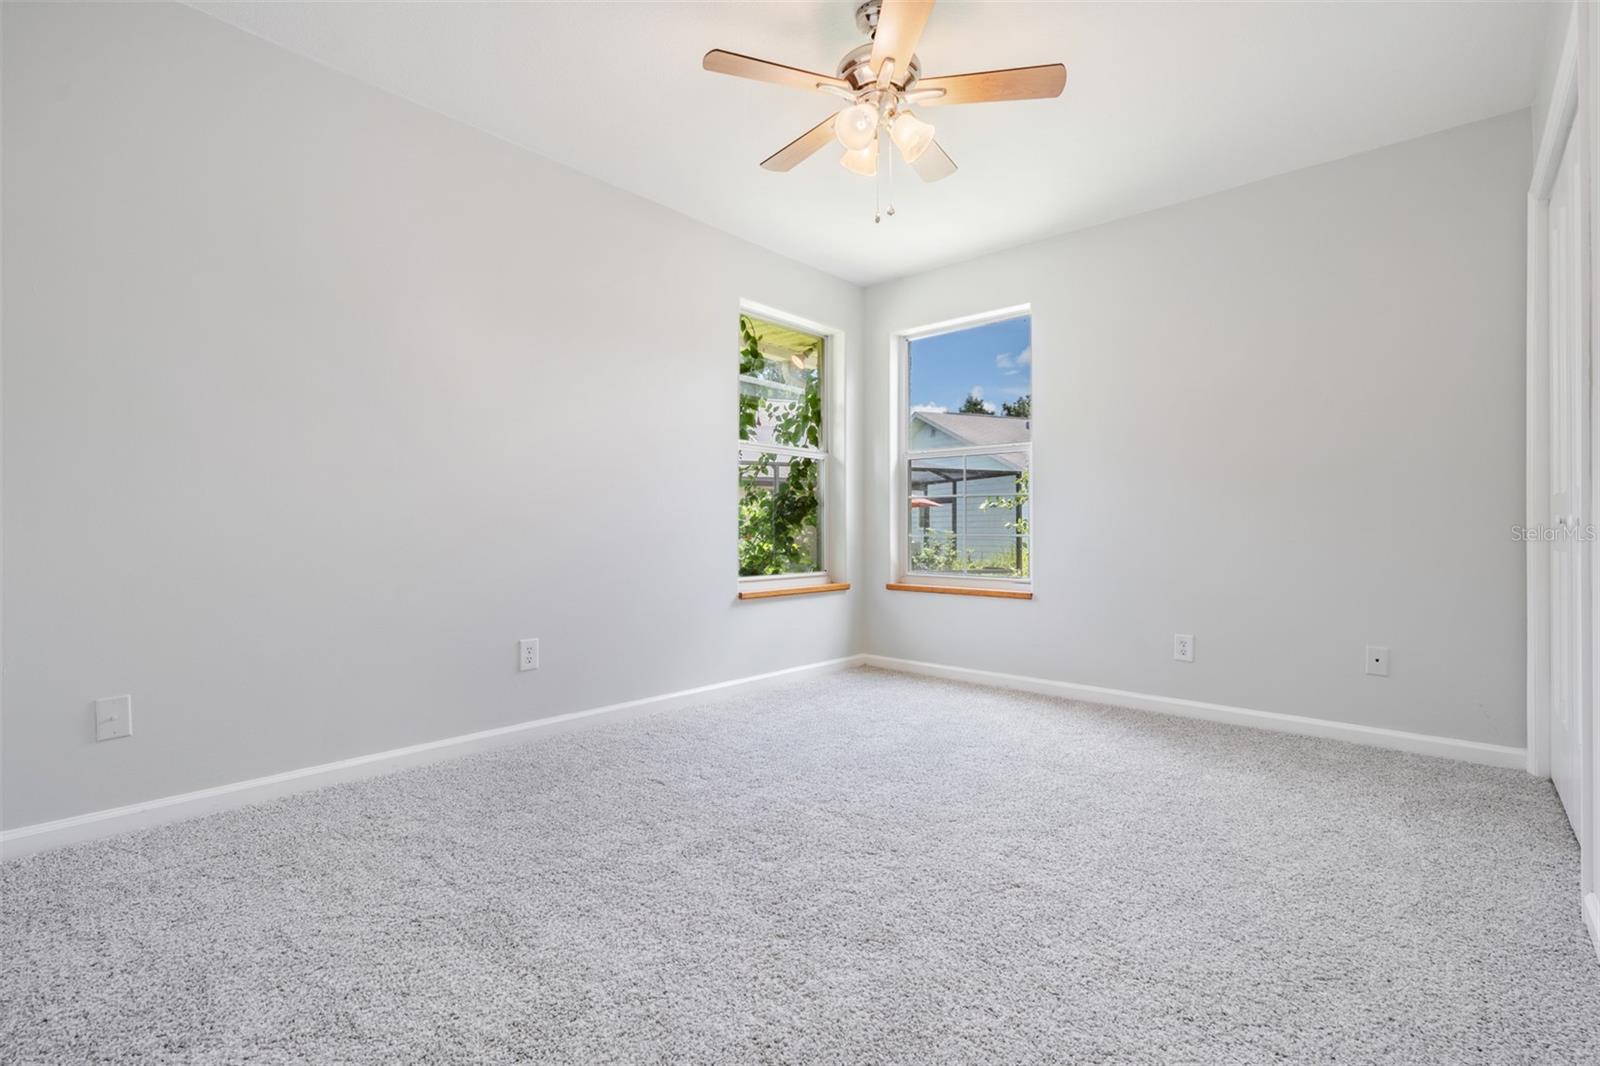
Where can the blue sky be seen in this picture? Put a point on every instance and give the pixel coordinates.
(995, 360)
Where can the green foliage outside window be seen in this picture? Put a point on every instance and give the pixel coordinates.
(936, 554)
(779, 496)
(1017, 504)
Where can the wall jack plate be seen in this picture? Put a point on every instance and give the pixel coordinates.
(1377, 660)
(113, 717)
(528, 654)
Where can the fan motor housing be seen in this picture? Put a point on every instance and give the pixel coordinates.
(867, 16)
(856, 67)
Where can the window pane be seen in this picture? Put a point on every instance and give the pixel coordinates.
(780, 384)
(971, 387)
(969, 515)
(780, 514)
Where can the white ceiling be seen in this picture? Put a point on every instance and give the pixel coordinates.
(1164, 102)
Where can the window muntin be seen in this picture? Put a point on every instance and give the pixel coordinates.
(968, 514)
(966, 471)
(782, 449)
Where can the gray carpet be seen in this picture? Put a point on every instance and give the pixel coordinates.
(863, 868)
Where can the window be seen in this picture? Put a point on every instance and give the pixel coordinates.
(783, 451)
(963, 494)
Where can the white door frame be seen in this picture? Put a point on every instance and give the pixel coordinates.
(1572, 86)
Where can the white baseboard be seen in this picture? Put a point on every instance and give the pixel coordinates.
(28, 839)
(1418, 743)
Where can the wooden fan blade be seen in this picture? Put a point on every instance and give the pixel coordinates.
(719, 62)
(802, 147)
(933, 164)
(1018, 83)
(899, 28)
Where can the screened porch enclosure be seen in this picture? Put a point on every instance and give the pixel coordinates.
(969, 514)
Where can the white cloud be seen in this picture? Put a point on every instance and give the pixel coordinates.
(977, 391)
(1009, 363)
(929, 408)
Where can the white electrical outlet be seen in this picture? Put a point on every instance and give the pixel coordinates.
(528, 654)
(1377, 660)
(1183, 647)
(113, 717)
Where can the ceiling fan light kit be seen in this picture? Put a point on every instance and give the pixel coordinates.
(863, 161)
(856, 126)
(881, 80)
(911, 135)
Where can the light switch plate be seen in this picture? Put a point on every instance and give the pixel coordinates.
(113, 717)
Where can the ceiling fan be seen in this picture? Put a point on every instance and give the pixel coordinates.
(881, 80)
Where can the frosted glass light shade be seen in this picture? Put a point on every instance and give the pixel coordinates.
(911, 135)
(856, 126)
(863, 161)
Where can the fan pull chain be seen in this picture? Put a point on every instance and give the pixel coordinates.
(884, 173)
(877, 188)
(877, 197)
(889, 151)
(891, 180)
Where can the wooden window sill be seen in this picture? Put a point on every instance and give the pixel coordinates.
(803, 590)
(963, 590)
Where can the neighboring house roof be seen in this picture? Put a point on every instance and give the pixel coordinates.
(942, 429)
(978, 429)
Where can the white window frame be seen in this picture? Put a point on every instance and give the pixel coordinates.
(830, 454)
(899, 449)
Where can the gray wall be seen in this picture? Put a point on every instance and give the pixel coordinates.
(304, 386)
(1286, 419)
